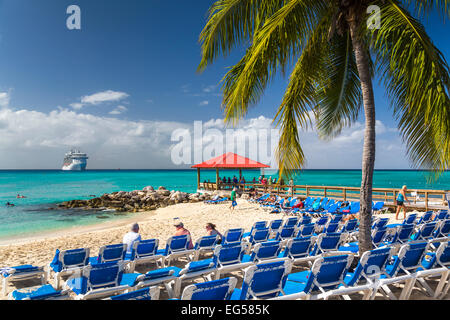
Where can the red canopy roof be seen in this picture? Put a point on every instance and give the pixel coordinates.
(231, 161)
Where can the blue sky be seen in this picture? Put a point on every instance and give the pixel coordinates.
(133, 63)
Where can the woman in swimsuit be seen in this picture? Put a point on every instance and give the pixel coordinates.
(401, 198)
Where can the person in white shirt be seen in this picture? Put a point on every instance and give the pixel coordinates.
(131, 237)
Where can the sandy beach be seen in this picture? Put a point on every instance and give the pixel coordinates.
(40, 250)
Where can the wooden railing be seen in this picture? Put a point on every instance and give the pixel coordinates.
(420, 198)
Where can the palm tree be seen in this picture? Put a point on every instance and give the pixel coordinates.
(336, 56)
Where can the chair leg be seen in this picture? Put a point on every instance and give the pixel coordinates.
(5, 285)
(441, 284)
(388, 292)
(407, 289)
(57, 278)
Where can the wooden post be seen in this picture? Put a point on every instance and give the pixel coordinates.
(217, 178)
(198, 178)
(345, 194)
(426, 201)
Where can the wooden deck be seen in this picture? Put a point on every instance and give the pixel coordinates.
(421, 199)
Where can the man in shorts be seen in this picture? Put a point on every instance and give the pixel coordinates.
(233, 199)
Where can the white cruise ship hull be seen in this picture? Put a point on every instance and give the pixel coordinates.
(75, 166)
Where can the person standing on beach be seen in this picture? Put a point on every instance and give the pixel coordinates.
(401, 198)
(181, 231)
(233, 199)
(131, 237)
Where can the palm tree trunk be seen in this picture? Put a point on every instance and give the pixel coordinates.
(368, 158)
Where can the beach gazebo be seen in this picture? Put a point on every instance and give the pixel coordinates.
(227, 161)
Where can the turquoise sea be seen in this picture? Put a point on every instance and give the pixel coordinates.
(45, 188)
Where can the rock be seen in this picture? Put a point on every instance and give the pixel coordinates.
(162, 188)
(149, 188)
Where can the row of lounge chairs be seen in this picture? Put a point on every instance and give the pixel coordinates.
(111, 272)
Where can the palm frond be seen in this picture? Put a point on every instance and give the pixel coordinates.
(280, 38)
(340, 96)
(417, 79)
(230, 23)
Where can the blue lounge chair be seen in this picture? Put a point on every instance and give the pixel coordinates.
(426, 217)
(441, 215)
(435, 264)
(101, 280)
(380, 223)
(230, 257)
(68, 262)
(320, 224)
(233, 236)
(443, 229)
(257, 225)
(264, 251)
(425, 232)
(194, 270)
(142, 252)
(259, 235)
(275, 225)
(402, 269)
(205, 244)
(410, 219)
(212, 290)
(304, 220)
(401, 235)
(378, 236)
(331, 227)
(326, 274)
(176, 247)
(350, 226)
(333, 209)
(19, 273)
(45, 292)
(290, 222)
(164, 276)
(378, 207)
(299, 249)
(264, 280)
(327, 242)
(286, 232)
(305, 230)
(151, 293)
(110, 253)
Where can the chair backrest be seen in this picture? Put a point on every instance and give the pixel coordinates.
(177, 243)
(304, 220)
(378, 236)
(68, 259)
(354, 207)
(259, 225)
(328, 272)
(442, 214)
(378, 206)
(371, 265)
(233, 235)
(306, 230)
(259, 235)
(141, 294)
(275, 224)
(324, 202)
(410, 256)
(443, 229)
(231, 253)
(425, 231)
(299, 247)
(322, 221)
(112, 253)
(266, 251)
(380, 223)
(331, 227)
(329, 242)
(443, 254)
(307, 201)
(210, 290)
(290, 222)
(285, 233)
(403, 233)
(102, 275)
(144, 248)
(337, 218)
(329, 204)
(350, 225)
(207, 242)
(426, 217)
(265, 280)
(410, 219)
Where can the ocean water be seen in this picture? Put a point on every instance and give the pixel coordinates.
(36, 214)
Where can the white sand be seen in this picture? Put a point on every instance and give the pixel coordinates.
(158, 224)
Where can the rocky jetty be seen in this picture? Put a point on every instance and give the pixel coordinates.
(136, 201)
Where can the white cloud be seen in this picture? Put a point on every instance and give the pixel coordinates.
(105, 96)
(4, 99)
(119, 110)
(204, 103)
(77, 106)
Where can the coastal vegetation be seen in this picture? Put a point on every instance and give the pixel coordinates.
(334, 55)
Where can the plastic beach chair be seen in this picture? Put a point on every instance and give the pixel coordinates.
(151, 293)
(45, 292)
(19, 273)
(265, 251)
(299, 249)
(205, 244)
(443, 229)
(425, 231)
(305, 230)
(101, 280)
(110, 253)
(176, 247)
(257, 225)
(233, 236)
(327, 242)
(142, 252)
(164, 276)
(378, 236)
(212, 290)
(230, 257)
(68, 262)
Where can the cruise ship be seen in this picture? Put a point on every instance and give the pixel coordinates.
(75, 161)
